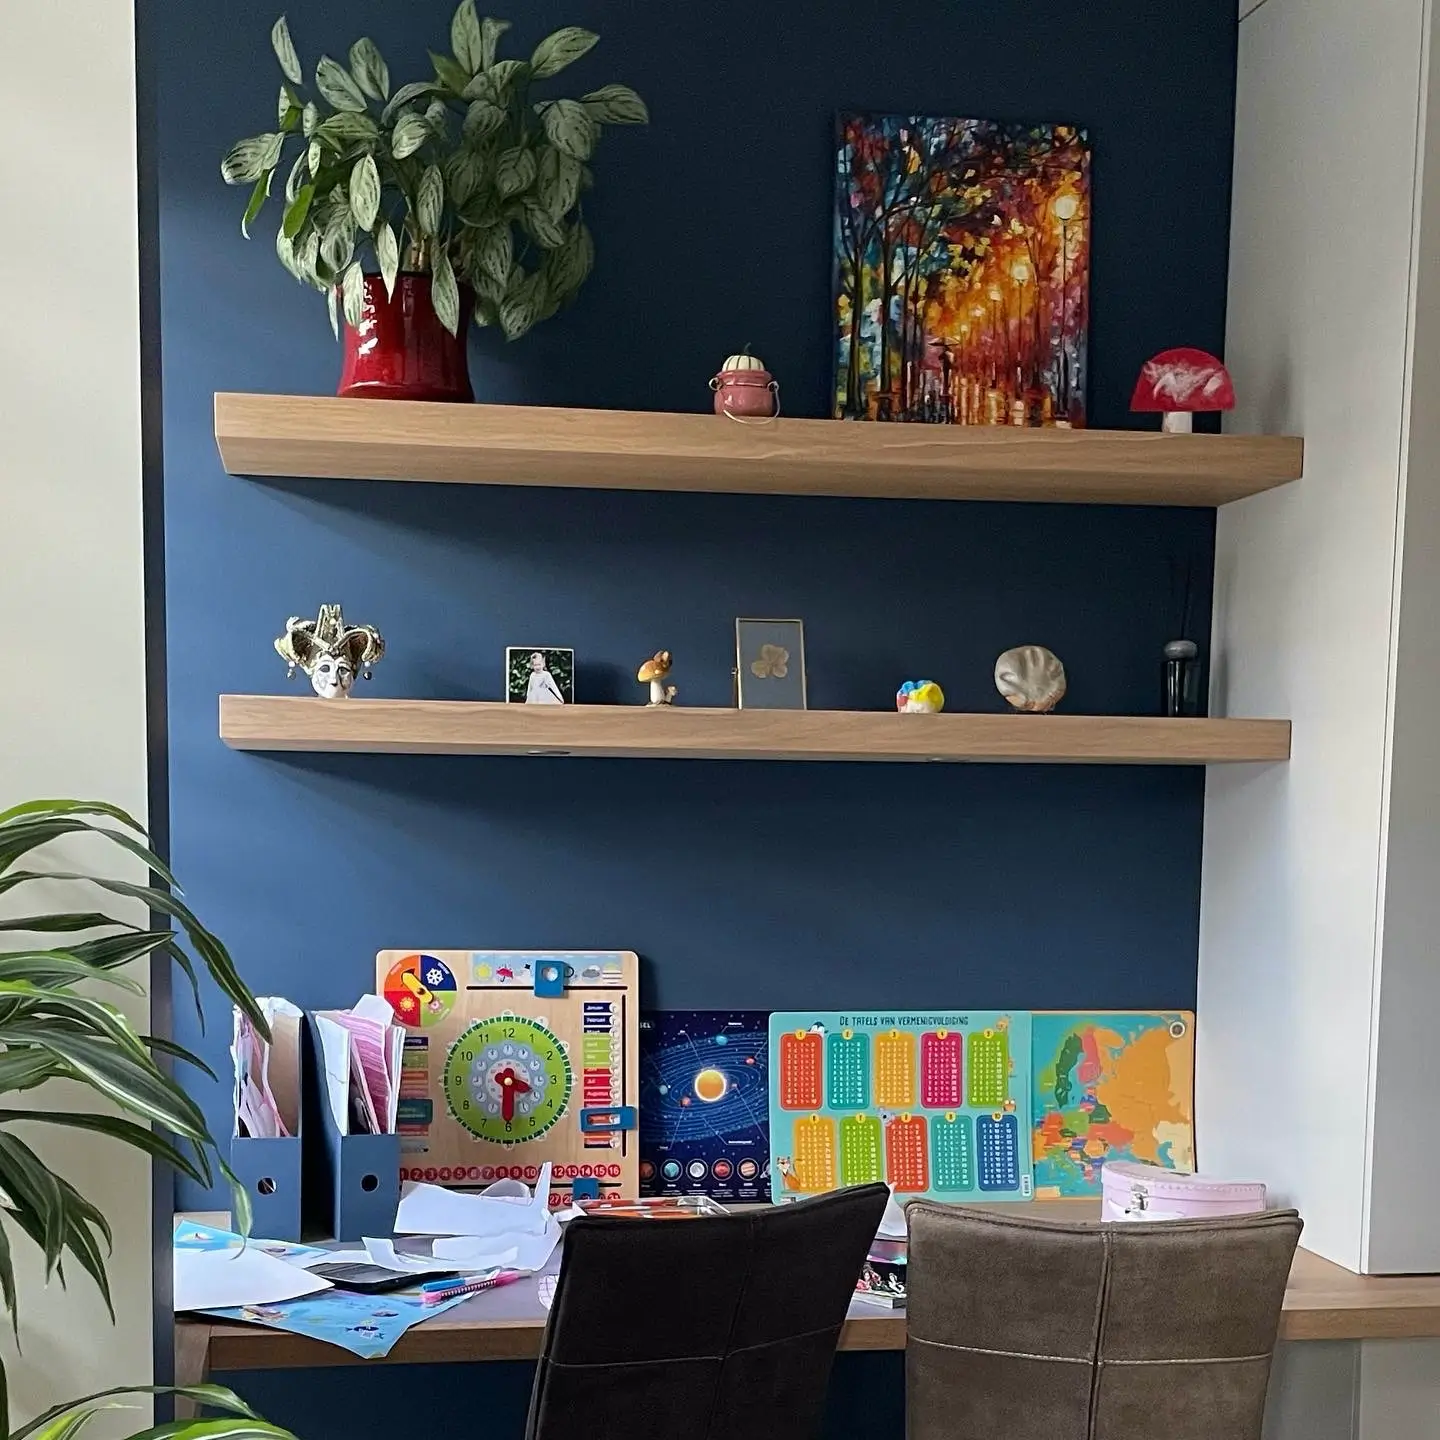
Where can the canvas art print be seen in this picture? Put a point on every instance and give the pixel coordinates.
(962, 271)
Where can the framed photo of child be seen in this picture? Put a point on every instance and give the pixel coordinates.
(539, 675)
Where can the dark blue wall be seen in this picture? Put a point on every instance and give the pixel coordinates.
(741, 885)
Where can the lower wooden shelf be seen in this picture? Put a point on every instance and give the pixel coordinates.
(452, 727)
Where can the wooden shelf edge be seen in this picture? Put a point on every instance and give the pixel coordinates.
(285, 723)
(330, 438)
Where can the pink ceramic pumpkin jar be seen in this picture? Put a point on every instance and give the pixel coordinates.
(745, 389)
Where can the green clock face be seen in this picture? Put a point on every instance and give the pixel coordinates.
(507, 1080)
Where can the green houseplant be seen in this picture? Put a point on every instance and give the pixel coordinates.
(54, 1024)
(463, 177)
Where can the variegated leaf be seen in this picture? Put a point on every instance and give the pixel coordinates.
(387, 252)
(570, 128)
(284, 48)
(365, 192)
(369, 69)
(562, 48)
(616, 105)
(335, 83)
(410, 133)
(466, 39)
(430, 200)
(444, 292)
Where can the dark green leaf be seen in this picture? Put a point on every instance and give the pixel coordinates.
(452, 76)
(215, 956)
(109, 951)
(403, 96)
(334, 82)
(162, 1046)
(465, 38)
(616, 105)
(37, 1202)
(25, 1069)
(257, 199)
(71, 807)
(411, 132)
(7, 1291)
(369, 69)
(140, 1137)
(287, 110)
(214, 1430)
(490, 33)
(52, 968)
(54, 924)
(444, 293)
(514, 171)
(19, 837)
(284, 49)
(216, 1397)
(570, 128)
(562, 48)
(139, 1088)
(297, 210)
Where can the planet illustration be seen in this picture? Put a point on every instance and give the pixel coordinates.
(710, 1086)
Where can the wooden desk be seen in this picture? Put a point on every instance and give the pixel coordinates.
(1323, 1302)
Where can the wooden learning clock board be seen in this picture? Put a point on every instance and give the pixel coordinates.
(935, 1103)
(496, 1079)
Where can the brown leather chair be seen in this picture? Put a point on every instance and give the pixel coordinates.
(711, 1328)
(1026, 1329)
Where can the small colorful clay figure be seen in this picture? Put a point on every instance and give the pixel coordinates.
(653, 673)
(329, 651)
(920, 697)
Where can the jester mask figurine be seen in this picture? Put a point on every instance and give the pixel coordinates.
(329, 651)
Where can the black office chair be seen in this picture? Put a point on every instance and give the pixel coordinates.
(715, 1327)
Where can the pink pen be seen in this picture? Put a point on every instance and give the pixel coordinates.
(468, 1287)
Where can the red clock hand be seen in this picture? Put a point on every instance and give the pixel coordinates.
(511, 1085)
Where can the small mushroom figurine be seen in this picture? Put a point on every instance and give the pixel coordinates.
(329, 651)
(1178, 383)
(653, 673)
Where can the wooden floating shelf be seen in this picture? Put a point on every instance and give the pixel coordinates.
(322, 436)
(453, 727)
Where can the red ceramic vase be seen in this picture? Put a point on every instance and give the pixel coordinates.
(400, 350)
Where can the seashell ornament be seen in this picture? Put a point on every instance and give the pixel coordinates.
(1031, 678)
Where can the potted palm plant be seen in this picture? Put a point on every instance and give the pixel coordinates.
(418, 209)
(55, 1025)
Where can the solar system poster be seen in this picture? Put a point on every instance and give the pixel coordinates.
(704, 1104)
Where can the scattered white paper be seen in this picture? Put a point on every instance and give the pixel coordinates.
(384, 1254)
(515, 1252)
(433, 1210)
(220, 1279)
(545, 1289)
(892, 1222)
(373, 1008)
(504, 1225)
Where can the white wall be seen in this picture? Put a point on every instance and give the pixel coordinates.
(1404, 1172)
(71, 646)
(1328, 105)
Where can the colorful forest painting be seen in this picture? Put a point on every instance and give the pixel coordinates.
(962, 271)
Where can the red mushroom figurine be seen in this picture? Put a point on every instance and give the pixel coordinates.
(1178, 383)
